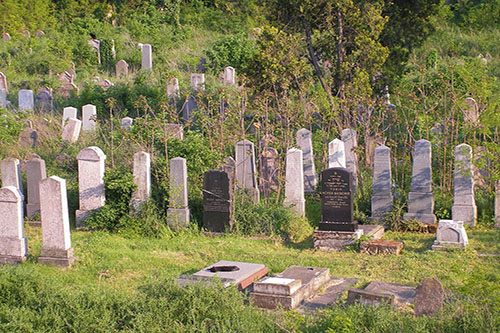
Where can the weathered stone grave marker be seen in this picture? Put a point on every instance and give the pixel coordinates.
(429, 297)
(229, 76)
(6, 37)
(26, 100)
(246, 178)
(178, 211)
(464, 205)
(35, 172)
(121, 69)
(13, 244)
(69, 112)
(198, 81)
(336, 154)
(11, 174)
(173, 88)
(142, 178)
(268, 171)
(188, 107)
(450, 234)
(147, 57)
(89, 116)
(71, 131)
(294, 185)
(304, 142)
(3, 82)
(44, 101)
(126, 123)
(382, 193)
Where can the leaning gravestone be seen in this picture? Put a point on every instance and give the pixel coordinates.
(229, 76)
(56, 238)
(336, 154)
(3, 82)
(178, 211)
(89, 115)
(44, 101)
(350, 138)
(26, 100)
(147, 58)
(35, 172)
(382, 194)
(13, 245)
(11, 174)
(464, 206)
(173, 88)
(421, 198)
(450, 234)
(90, 182)
(429, 297)
(217, 201)
(198, 81)
(121, 69)
(268, 171)
(304, 142)
(245, 169)
(71, 131)
(69, 112)
(142, 178)
(188, 107)
(294, 185)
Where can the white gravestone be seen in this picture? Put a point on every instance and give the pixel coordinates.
(3, 98)
(450, 234)
(71, 131)
(69, 112)
(142, 178)
(173, 88)
(178, 211)
(147, 57)
(11, 174)
(121, 69)
(294, 185)
(464, 205)
(382, 181)
(246, 173)
(350, 138)
(198, 81)
(229, 76)
(13, 245)
(89, 116)
(126, 123)
(26, 100)
(304, 142)
(336, 154)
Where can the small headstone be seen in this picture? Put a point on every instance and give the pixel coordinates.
(26, 100)
(294, 186)
(44, 101)
(121, 69)
(142, 178)
(268, 171)
(56, 238)
(246, 174)
(381, 246)
(175, 131)
(217, 201)
(421, 198)
(350, 138)
(429, 297)
(336, 154)
(464, 205)
(6, 37)
(105, 84)
(188, 107)
(69, 112)
(382, 193)
(471, 112)
(229, 76)
(147, 57)
(304, 142)
(13, 245)
(71, 131)
(126, 123)
(450, 234)
(25, 34)
(198, 81)
(39, 33)
(89, 116)
(11, 174)
(3, 82)
(178, 211)
(173, 88)
(3, 98)
(90, 182)
(35, 172)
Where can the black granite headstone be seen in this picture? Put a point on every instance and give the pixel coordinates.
(336, 200)
(217, 201)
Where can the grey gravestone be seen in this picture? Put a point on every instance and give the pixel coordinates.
(217, 201)
(6, 37)
(89, 116)
(3, 98)
(71, 130)
(126, 123)
(13, 245)
(173, 88)
(268, 171)
(188, 107)
(350, 138)
(198, 81)
(337, 200)
(229, 76)
(294, 184)
(26, 100)
(3, 82)
(35, 172)
(450, 234)
(11, 174)
(44, 101)
(178, 211)
(336, 154)
(246, 174)
(121, 69)
(497, 203)
(382, 194)
(142, 178)
(304, 142)
(429, 297)
(471, 112)
(147, 58)
(421, 198)
(464, 206)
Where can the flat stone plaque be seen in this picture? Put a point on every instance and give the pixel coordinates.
(242, 277)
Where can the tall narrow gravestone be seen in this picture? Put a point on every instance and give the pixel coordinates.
(3, 82)
(90, 182)
(350, 138)
(89, 116)
(3, 98)
(69, 112)
(173, 88)
(497, 203)
(464, 206)
(13, 245)
(142, 178)
(268, 171)
(178, 211)
(336, 154)
(11, 174)
(147, 58)
(421, 198)
(35, 172)
(56, 238)
(229, 76)
(382, 193)
(246, 178)
(304, 142)
(71, 131)
(198, 81)
(26, 100)
(294, 186)
(217, 201)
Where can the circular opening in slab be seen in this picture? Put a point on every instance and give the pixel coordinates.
(214, 269)
(310, 268)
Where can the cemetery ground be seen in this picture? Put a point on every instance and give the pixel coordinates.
(126, 283)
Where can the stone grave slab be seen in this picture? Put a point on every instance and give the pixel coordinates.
(429, 297)
(403, 295)
(381, 246)
(336, 287)
(365, 297)
(335, 240)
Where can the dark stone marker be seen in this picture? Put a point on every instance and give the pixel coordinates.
(428, 297)
(336, 200)
(217, 201)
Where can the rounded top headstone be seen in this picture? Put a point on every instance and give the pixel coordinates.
(10, 194)
(91, 154)
(178, 159)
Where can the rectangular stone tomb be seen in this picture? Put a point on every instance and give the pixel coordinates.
(404, 296)
(334, 291)
(335, 240)
(240, 274)
(381, 246)
(365, 297)
(289, 288)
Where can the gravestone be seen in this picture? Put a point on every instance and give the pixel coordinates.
(3, 82)
(29, 137)
(421, 198)
(26, 100)
(217, 201)
(66, 89)
(35, 172)
(126, 123)
(147, 57)
(3, 98)
(229, 166)
(69, 112)
(471, 112)
(178, 211)
(337, 200)
(464, 206)
(336, 154)
(71, 131)
(294, 185)
(450, 234)
(173, 88)
(198, 81)
(429, 297)
(382, 183)
(56, 238)
(89, 116)
(11, 174)
(229, 76)
(105, 84)
(245, 169)
(44, 101)
(142, 178)
(304, 142)
(121, 69)
(13, 245)
(39, 33)
(6, 37)
(201, 66)
(350, 138)
(188, 107)
(268, 171)
(90, 182)
(175, 131)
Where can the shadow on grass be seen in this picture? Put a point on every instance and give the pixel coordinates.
(305, 244)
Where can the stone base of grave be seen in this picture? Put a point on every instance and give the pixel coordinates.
(381, 246)
(377, 292)
(376, 231)
(36, 224)
(57, 257)
(424, 218)
(381, 205)
(81, 216)
(13, 250)
(11, 260)
(465, 213)
(178, 218)
(32, 210)
(299, 207)
(443, 246)
(335, 240)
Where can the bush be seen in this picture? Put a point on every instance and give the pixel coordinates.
(233, 50)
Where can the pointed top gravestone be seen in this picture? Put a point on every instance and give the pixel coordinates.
(126, 123)
(246, 173)
(382, 194)
(13, 245)
(121, 69)
(3, 82)
(304, 142)
(294, 184)
(464, 206)
(336, 154)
